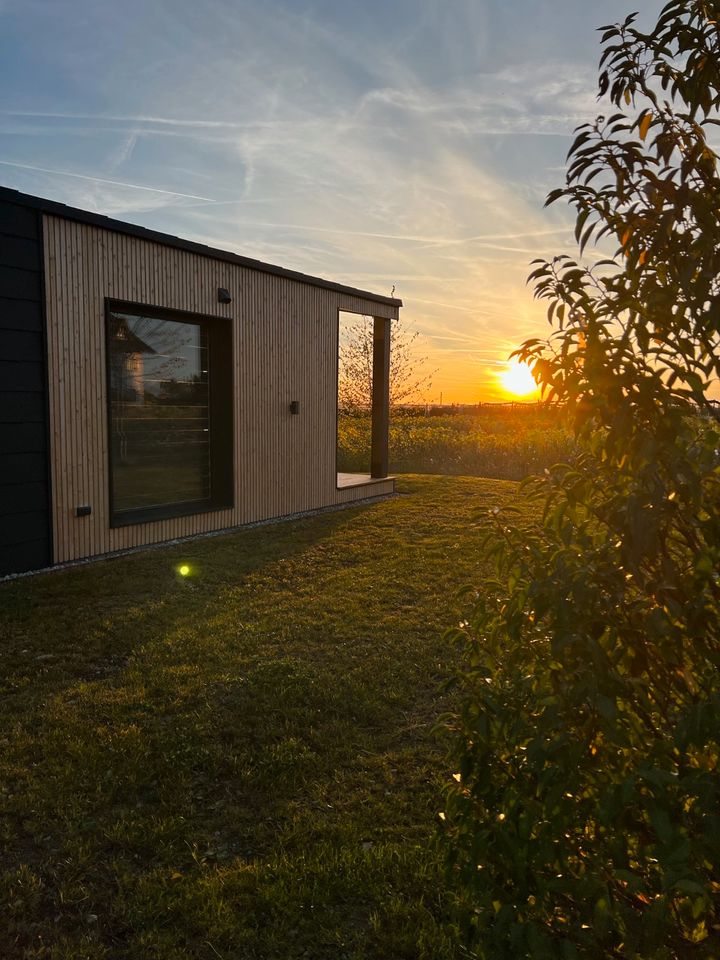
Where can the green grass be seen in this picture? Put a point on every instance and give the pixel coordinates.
(240, 763)
(504, 443)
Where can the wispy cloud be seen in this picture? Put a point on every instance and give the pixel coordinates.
(124, 153)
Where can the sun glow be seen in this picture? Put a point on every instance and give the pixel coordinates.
(517, 379)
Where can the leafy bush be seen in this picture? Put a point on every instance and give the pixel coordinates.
(585, 816)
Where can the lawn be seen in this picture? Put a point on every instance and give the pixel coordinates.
(240, 762)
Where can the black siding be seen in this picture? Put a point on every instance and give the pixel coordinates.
(24, 473)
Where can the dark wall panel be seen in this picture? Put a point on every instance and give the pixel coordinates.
(24, 478)
(19, 284)
(17, 557)
(22, 407)
(21, 468)
(17, 220)
(19, 252)
(20, 375)
(28, 498)
(24, 345)
(20, 314)
(23, 437)
(23, 527)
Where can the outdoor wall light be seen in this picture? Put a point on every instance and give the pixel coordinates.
(294, 406)
(224, 295)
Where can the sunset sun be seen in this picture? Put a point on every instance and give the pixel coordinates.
(517, 379)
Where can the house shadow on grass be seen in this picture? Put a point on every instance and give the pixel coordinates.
(83, 622)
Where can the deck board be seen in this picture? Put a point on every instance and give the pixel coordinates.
(358, 479)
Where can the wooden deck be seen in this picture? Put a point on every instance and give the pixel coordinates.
(358, 480)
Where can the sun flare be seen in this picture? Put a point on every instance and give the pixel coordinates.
(517, 379)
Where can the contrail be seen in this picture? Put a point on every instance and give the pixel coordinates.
(115, 183)
(127, 118)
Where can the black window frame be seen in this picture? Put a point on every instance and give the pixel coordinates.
(220, 413)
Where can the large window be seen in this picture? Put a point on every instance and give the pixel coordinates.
(169, 391)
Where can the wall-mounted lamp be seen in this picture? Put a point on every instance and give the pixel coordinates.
(224, 295)
(294, 406)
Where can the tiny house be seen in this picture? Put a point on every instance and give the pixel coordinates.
(153, 388)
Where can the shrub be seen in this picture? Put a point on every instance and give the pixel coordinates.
(585, 817)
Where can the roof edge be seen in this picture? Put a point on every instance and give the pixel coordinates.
(54, 208)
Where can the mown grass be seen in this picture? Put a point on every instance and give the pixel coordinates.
(240, 763)
(504, 443)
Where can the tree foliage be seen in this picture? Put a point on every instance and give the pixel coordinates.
(585, 820)
(410, 379)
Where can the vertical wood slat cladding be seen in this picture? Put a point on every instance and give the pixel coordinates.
(24, 494)
(284, 335)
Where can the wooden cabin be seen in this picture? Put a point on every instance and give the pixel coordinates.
(153, 388)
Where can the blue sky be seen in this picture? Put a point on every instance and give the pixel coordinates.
(375, 143)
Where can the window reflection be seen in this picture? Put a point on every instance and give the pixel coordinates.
(159, 411)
